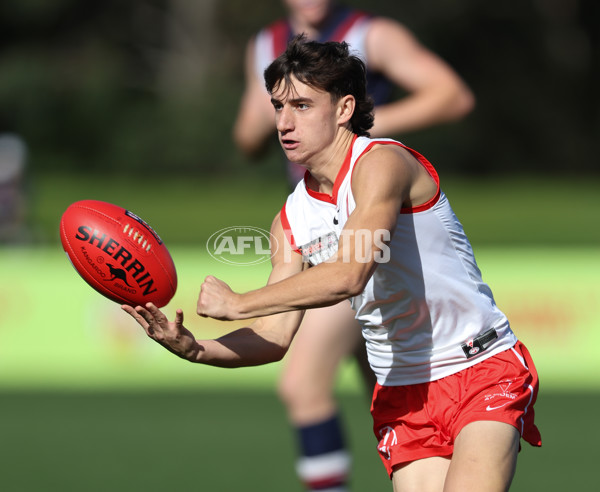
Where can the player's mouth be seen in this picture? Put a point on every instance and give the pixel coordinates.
(289, 144)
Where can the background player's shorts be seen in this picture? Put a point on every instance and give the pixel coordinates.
(422, 420)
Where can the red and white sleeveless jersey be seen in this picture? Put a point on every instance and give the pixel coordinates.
(425, 313)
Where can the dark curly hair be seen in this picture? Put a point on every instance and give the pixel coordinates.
(329, 67)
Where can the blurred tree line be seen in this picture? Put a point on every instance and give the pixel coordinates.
(153, 85)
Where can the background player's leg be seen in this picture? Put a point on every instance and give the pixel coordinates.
(326, 337)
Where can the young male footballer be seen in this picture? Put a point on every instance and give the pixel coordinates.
(369, 222)
(412, 88)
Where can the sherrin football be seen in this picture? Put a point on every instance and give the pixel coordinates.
(117, 253)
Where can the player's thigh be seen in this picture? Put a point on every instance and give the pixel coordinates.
(326, 336)
(425, 475)
(484, 459)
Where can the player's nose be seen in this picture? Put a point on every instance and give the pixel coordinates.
(285, 120)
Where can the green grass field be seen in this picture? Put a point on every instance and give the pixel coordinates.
(232, 440)
(89, 404)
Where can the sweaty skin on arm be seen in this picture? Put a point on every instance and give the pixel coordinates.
(401, 181)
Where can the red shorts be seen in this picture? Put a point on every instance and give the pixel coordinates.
(422, 420)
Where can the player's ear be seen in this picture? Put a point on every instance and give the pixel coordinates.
(345, 107)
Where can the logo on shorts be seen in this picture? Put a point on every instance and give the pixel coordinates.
(504, 392)
(489, 408)
(388, 439)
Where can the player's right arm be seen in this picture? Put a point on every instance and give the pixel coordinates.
(265, 340)
(255, 121)
(268, 338)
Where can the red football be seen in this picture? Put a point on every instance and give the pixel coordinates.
(117, 253)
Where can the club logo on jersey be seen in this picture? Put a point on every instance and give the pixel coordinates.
(475, 345)
(362, 246)
(242, 245)
(320, 249)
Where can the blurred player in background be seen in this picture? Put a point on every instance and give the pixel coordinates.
(369, 222)
(434, 94)
(13, 199)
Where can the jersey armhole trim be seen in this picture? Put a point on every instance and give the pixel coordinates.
(423, 161)
(285, 223)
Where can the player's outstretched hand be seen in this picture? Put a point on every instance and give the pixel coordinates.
(170, 334)
(216, 300)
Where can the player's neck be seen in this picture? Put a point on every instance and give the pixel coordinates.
(311, 27)
(325, 169)
(298, 27)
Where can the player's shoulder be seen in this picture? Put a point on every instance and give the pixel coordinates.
(383, 30)
(274, 30)
(383, 25)
(377, 158)
(386, 153)
(386, 161)
(373, 148)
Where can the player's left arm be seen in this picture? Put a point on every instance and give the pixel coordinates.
(383, 181)
(435, 92)
(255, 120)
(265, 340)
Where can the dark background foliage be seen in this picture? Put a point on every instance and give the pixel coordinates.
(153, 85)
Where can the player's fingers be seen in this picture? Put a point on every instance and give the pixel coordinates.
(140, 318)
(157, 314)
(152, 327)
(210, 285)
(134, 314)
(202, 309)
(179, 318)
(128, 309)
(202, 303)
